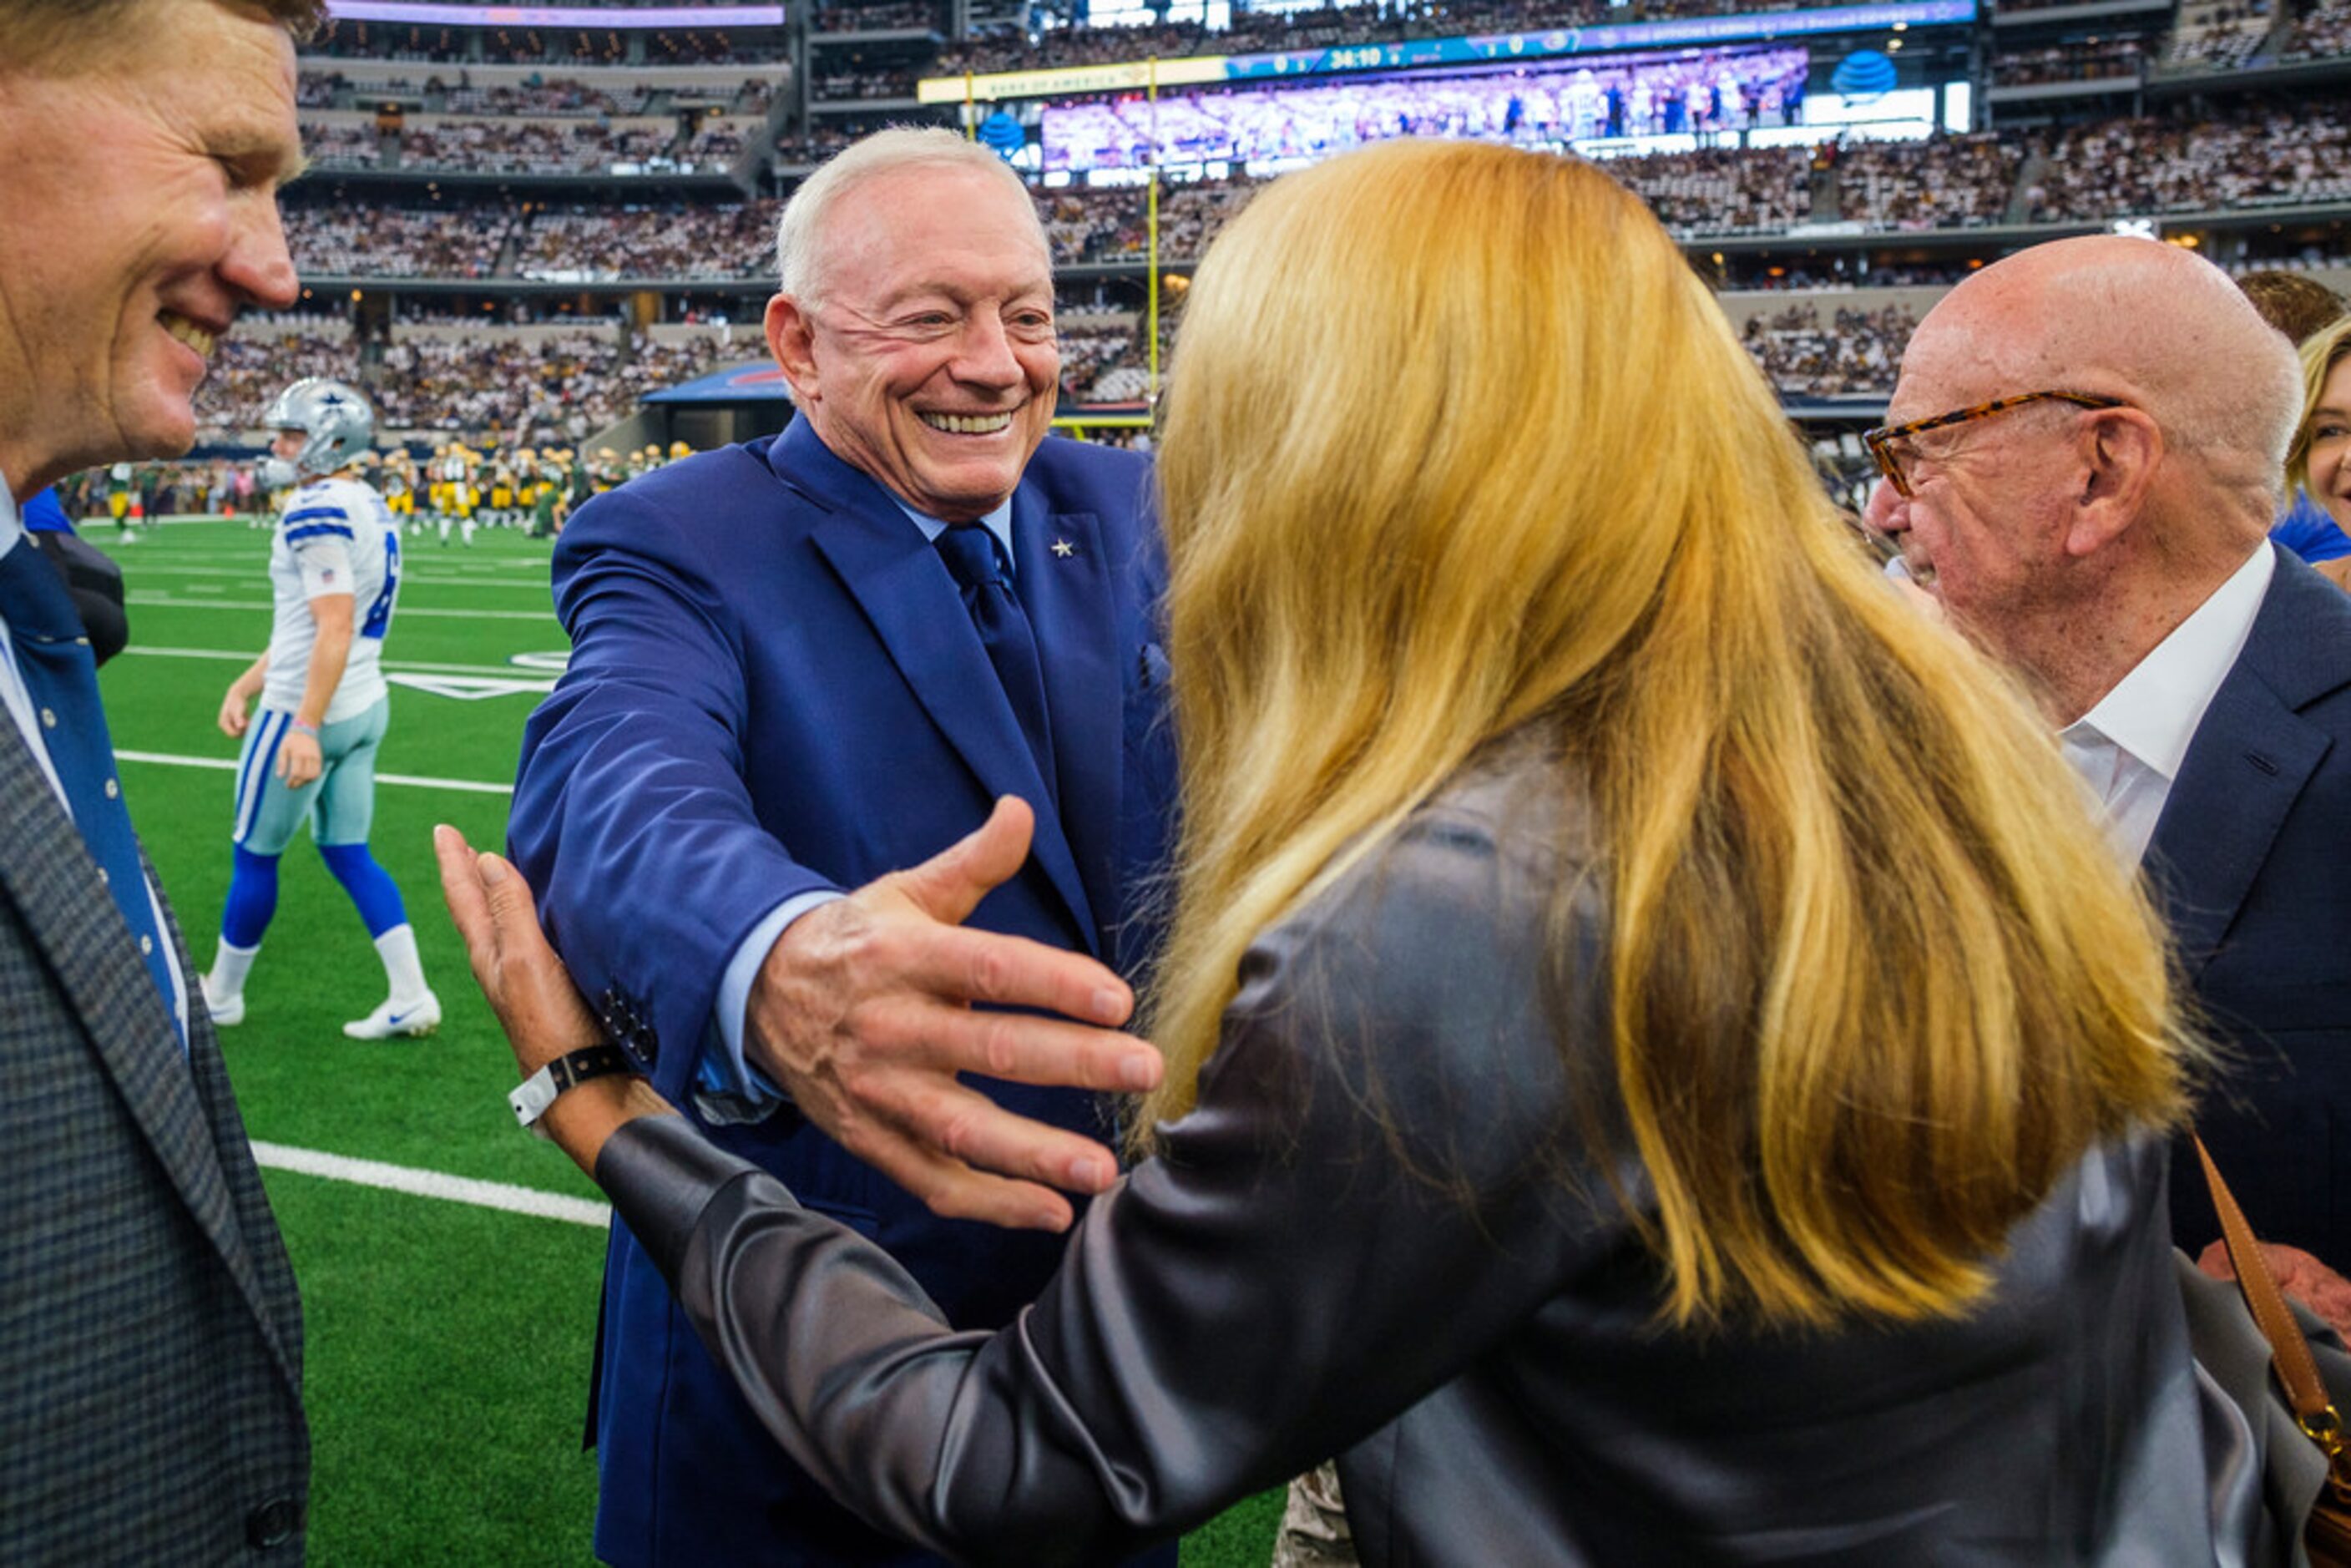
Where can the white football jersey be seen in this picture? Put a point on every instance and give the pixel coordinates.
(336, 536)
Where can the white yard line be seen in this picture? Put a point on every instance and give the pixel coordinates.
(228, 764)
(407, 580)
(453, 559)
(544, 617)
(433, 1184)
(423, 665)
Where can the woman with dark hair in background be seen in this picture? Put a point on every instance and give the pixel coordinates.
(1661, 1067)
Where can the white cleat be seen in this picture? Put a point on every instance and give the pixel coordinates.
(227, 1012)
(391, 1021)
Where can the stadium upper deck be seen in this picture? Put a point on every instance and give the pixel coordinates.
(628, 173)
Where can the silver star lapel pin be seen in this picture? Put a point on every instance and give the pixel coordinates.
(1065, 548)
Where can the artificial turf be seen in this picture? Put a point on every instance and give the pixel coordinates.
(449, 1344)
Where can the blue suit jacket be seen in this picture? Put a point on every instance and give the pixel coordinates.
(2248, 860)
(775, 687)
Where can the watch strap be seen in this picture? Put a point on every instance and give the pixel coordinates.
(534, 1094)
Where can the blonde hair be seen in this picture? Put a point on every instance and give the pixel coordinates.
(2321, 352)
(799, 232)
(1456, 445)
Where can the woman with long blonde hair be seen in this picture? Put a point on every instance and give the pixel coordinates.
(2316, 464)
(1661, 1065)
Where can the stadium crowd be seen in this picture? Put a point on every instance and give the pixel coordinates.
(889, 16)
(671, 241)
(535, 146)
(487, 386)
(341, 144)
(2216, 36)
(1853, 352)
(2079, 60)
(482, 384)
(1948, 182)
(331, 238)
(2242, 159)
(2322, 32)
(1102, 357)
(841, 85)
(717, 144)
(2146, 164)
(268, 351)
(344, 38)
(562, 96)
(1721, 190)
(811, 148)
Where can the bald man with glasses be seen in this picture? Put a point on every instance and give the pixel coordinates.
(2081, 461)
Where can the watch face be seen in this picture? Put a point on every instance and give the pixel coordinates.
(531, 1098)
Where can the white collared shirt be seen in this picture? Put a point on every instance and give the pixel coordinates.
(18, 700)
(2130, 748)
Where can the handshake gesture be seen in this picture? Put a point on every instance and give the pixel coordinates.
(864, 1012)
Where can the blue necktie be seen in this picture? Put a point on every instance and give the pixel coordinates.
(54, 658)
(972, 554)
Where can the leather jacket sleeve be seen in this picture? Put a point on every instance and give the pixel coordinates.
(1369, 1195)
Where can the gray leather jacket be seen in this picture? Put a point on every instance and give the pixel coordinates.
(1382, 1236)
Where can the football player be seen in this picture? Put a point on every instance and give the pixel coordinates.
(309, 751)
(120, 495)
(455, 472)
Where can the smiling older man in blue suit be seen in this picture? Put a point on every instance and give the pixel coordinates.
(798, 667)
(2090, 499)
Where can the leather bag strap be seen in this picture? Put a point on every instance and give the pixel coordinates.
(2297, 1374)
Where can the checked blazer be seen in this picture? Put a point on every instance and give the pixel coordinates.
(774, 688)
(151, 1339)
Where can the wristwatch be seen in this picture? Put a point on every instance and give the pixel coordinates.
(535, 1093)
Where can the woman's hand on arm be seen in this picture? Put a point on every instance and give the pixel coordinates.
(531, 992)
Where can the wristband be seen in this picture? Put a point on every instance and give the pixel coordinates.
(310, 729)
(531, 1098)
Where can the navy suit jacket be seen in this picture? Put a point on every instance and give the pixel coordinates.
(2248, 863)
(775, 687)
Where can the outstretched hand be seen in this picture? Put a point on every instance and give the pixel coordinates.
(863, 1012)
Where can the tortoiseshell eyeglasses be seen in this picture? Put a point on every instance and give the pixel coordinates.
(1881, 441)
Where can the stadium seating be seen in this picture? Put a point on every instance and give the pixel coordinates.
(508, 163)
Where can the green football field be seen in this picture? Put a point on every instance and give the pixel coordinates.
(448, 1264)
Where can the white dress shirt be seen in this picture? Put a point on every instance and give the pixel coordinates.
(18, 700)
(2129, 748)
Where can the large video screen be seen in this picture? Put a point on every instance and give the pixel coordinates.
(1682, 93)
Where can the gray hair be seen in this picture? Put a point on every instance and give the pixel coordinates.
(799, 233)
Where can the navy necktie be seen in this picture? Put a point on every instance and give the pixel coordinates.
(972, 554)
(54, 658)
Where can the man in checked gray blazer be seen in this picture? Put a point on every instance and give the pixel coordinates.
(150, 1340)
